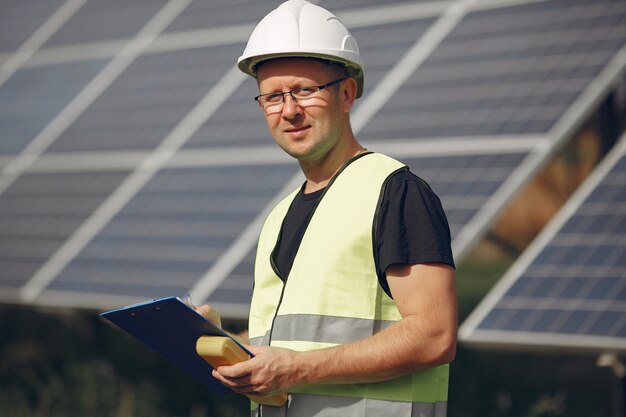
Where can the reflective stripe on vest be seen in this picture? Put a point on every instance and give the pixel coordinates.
(303, 405)
(332, 295)
(325, 329)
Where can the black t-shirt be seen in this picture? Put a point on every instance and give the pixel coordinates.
(411, 226)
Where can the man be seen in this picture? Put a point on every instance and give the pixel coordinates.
(354, 306)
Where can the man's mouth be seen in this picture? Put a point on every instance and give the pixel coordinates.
(296, 129)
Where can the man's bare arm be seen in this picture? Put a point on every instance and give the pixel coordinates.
(425, 337)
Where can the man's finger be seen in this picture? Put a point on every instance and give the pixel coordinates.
(210, 314)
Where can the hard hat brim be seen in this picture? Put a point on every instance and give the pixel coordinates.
(249, 65)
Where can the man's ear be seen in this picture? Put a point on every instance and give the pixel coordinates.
(347, 94)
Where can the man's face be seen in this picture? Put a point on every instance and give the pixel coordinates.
(306, 130)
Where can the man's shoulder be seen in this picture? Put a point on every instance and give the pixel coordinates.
(405, 176)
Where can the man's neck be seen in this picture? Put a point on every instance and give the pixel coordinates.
(319, 173)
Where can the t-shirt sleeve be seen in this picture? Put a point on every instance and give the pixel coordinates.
(411, 225)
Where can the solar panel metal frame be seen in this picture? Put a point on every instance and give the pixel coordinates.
(471, 334)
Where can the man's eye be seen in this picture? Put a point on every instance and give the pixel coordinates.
(304, 92)
(273, 98)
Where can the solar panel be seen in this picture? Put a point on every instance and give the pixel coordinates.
(384, 45)
(203, 14)
(19, 19)
(464, 182)
(38, 212)
(568, 291)
(143, 97)
(172, 231)
(504, 71)
(236, 291)
(350, 4)
(113, 19)
(147, 101)
(236, 123)
(32, 97)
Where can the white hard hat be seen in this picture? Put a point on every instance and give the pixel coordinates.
(298, 28)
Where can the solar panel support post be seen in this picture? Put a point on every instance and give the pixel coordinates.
(618, 369)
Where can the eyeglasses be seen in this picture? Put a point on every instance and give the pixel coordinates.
(273, 102)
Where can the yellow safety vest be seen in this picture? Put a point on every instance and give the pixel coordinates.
(332, 296)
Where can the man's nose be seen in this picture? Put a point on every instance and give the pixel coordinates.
(291, 108)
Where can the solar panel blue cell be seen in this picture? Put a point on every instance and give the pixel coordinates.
(237, 122)
(134, 264)
(620, 259)
(609, 193)
(43, 210)
(174, 230)
(489, 322)
(20, 19)
(230, 296)
(608, 324)
(581, 223)
(106, 20)
(159, 284)
(575, 321)
(572, 255)
(620, 167)
(147, 101)
(543, 287)
(619, 327)
(348, 4)
(573, 287)
(544, 320)
(612, 252)
(16, 271)
(202, 14)
(516, 319)
(604, 288)
(510, 88)
(546, 254)
(520, 289)
(237, 287)
(383, 45)
(33, 97)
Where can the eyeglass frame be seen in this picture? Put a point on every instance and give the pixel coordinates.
(290, 92)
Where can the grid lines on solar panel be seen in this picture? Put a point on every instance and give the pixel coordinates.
(38, 212)
(32, 97)
(464, 183)
(512, 70)
(336, 5)
(577, 284)
(147, 101)
(172, 231)
(106, 20)
(201, 14)
(20, 19)
(237, 122)
(237, 287)
(382, 46)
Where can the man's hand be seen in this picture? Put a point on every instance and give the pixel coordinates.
(271, 370)
(425, 337)
(211, 314)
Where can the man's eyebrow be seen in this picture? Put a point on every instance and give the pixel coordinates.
(294, 86)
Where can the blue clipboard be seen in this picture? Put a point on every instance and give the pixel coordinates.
(171, 327)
